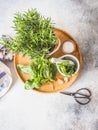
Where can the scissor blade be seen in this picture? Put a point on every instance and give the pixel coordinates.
(67, 93)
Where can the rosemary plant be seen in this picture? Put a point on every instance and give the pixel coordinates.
(34, 34)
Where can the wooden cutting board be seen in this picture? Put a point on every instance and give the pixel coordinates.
(53, 86)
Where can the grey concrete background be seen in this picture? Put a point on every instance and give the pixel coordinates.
(28, 110)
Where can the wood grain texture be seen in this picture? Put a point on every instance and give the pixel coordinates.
(51, 87)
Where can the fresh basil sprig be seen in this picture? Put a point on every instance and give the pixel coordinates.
(41, 71)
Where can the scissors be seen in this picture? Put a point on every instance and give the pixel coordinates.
(81, 96)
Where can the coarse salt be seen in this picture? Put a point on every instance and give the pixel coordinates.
(68, 47)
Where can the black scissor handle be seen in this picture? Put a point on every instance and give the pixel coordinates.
(87, 100)
(81, 97)
(79, 92)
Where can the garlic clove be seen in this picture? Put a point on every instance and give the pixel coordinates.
(60, 81)
(66, 79)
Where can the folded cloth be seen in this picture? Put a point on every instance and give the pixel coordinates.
(5, 79)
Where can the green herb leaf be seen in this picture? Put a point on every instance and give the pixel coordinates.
(25, 69)
(34, 34)
(30, 84)
(67, 68)
(41, 71)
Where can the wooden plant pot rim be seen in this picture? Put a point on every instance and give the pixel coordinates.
(56, 48)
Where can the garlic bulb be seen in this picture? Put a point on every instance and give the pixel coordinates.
(5, 54)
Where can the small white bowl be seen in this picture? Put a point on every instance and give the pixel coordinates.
(71, 58)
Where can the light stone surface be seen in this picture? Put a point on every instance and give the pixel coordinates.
(29, 110)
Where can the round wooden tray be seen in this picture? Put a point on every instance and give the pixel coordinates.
(53, 86)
